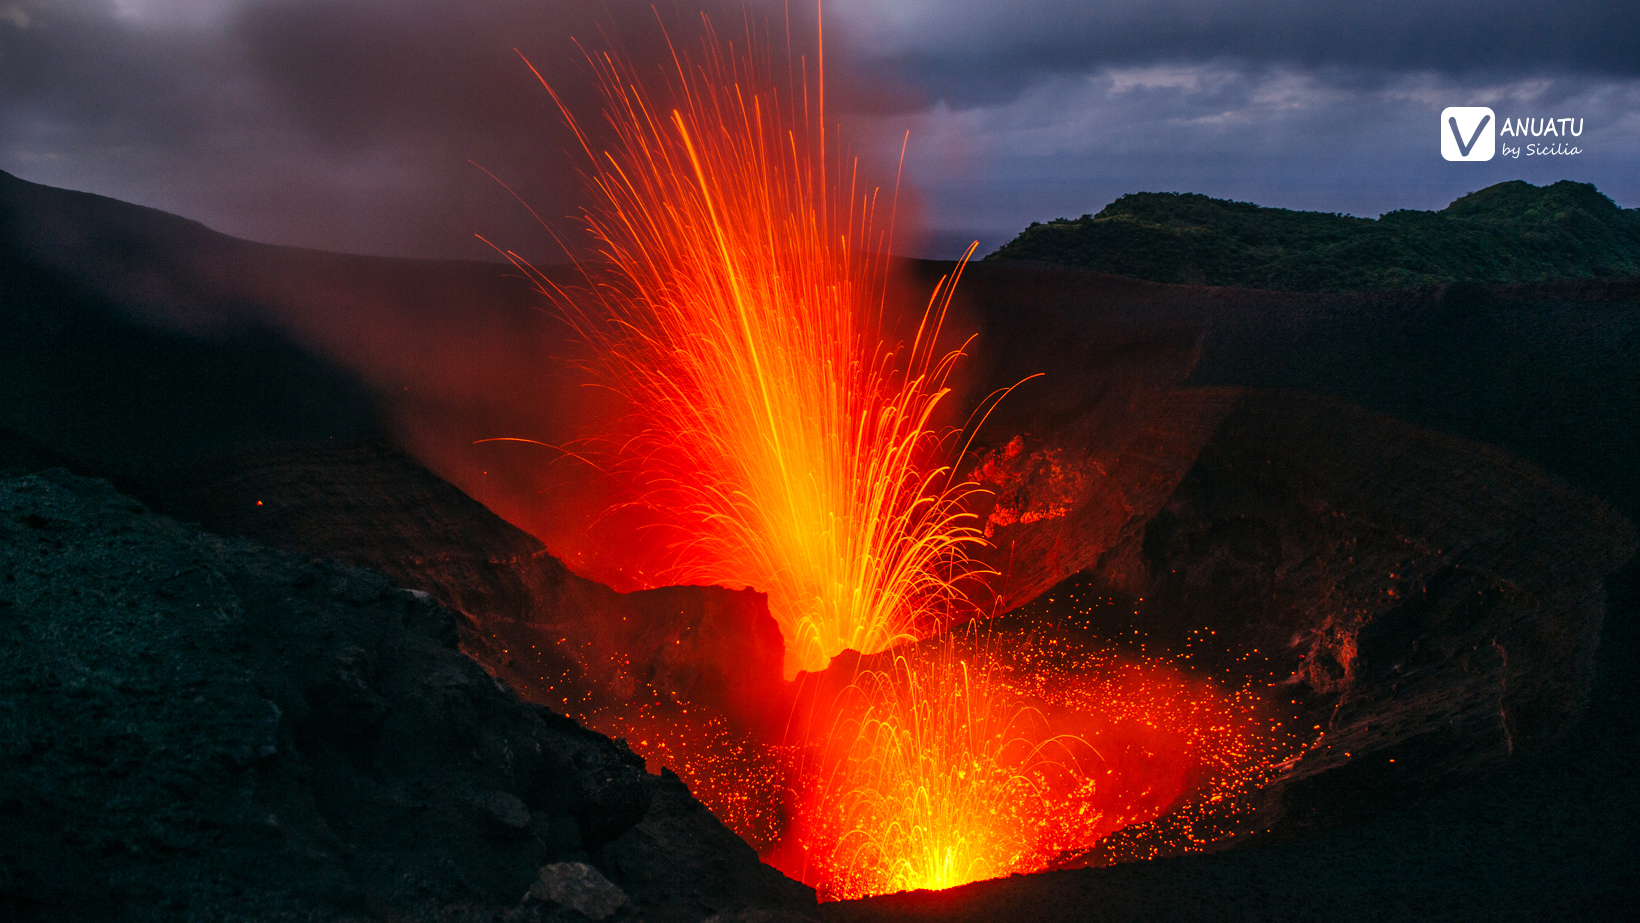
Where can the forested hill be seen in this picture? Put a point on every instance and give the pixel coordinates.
(1510, 232)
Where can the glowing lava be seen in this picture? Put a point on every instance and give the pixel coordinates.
(775, 437)
(779, 441)
(979, 755)
(934, 775)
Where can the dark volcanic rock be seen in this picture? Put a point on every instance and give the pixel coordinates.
(577, 887)
(1420, 607)
(200, 728)
(535, 624)
(1068, 492)
(679, 861)
(1358, 555)
(1421, 599)
(1443, 599)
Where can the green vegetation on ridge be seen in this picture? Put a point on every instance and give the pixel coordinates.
(1510, 232)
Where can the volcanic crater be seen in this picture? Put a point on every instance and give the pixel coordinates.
(1412, 596)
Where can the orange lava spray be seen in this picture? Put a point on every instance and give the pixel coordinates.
(776, 436)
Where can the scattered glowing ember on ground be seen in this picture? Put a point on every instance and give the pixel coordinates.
(781, 440)
(1005, 748)
(984, 754)
(743, 779)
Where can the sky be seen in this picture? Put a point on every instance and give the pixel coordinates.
(355, 125)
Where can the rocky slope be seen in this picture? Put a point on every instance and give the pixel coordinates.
(369, 504)
(202, 728)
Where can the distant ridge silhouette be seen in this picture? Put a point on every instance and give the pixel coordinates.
(1510, 232)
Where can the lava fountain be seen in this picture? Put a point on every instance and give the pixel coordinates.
(736, 302)
(783, 434)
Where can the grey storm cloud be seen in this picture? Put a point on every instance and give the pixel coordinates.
(977, 51)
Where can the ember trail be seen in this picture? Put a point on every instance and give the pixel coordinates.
(737, 304)
(782, 435)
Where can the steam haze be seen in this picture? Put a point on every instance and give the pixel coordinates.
(337, 125)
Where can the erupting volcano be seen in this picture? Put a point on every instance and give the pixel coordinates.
(756, 552)
(782, 433)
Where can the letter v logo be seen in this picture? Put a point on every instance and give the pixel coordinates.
(1472, 122)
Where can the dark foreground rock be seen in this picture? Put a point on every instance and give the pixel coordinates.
(536, 625)
(201, 728)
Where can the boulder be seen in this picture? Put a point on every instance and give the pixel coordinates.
(578, 887)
